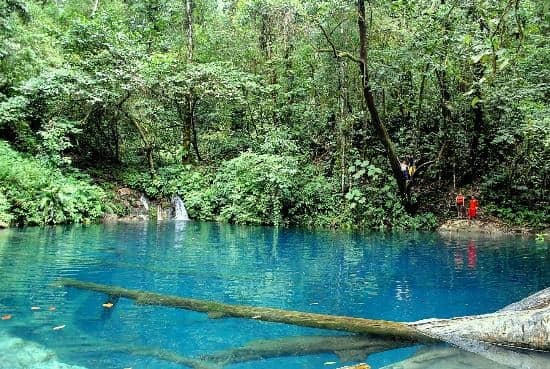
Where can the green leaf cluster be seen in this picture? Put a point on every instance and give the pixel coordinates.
(34, 193)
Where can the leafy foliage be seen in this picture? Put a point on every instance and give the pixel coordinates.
(267, 189)
(264, 99)
(36, 194)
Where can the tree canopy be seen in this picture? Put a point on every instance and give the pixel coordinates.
(284, 111)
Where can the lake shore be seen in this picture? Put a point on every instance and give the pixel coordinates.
(488, 225)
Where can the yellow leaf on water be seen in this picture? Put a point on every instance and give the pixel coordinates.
(107, 305)
(58, 327)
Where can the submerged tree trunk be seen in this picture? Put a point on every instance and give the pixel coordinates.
(347, 348)
(528, 328)
(379, 127)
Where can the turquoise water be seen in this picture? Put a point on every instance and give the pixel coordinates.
(395, 277)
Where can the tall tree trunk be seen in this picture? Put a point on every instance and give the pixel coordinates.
(194, 131)
(477, 151)
(185, 113)
(373, 111)
(188, 114)
(343, 104)
(189, 24)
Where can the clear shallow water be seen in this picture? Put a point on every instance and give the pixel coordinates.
(396, 277)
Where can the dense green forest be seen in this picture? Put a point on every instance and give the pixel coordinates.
(281, 112)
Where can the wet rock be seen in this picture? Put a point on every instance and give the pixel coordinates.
(125, 191)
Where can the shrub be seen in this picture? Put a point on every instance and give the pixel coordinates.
(38, 194)
(270, 189)
(5, 216)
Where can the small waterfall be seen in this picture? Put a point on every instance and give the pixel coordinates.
(180, 212)
(159, 212)
(144, 202)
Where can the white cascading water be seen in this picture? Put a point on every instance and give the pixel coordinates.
(180, 212)
(144, 202)
(159, 212)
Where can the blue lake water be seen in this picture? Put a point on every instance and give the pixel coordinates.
(395, 277)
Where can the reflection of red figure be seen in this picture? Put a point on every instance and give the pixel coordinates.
(472, 255)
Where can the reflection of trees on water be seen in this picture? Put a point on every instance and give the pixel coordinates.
(411, 276)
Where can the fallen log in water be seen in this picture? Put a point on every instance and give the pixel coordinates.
(528, 329)
(216, 309)
(347, 348)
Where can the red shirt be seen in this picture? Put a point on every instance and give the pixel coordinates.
(472, 211)
(460, 200)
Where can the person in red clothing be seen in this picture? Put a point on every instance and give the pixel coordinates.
(472, 208)
(460, 209)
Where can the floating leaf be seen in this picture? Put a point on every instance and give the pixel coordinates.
(58, 327)
(107, 305)
(34, 308)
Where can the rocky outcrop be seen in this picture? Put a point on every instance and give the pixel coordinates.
(16, 353)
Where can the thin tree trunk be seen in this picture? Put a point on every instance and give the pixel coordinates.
(189, 19)
(187, 117)
(95, 5)
(371, 106)
(194, 131)
(148, 147)
(477, 148)
(343, 104)
(421, 92)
